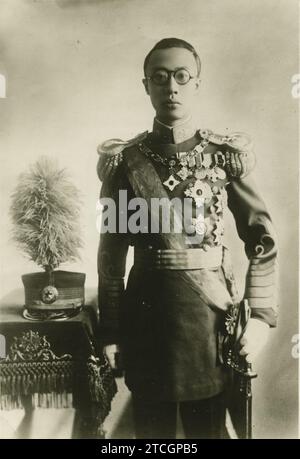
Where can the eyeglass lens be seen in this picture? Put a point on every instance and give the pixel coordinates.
(161, 77)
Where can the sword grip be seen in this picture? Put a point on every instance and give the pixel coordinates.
(249, 373)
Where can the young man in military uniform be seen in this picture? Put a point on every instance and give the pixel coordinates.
(167, 322)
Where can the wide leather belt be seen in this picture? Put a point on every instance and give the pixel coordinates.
(178, 259)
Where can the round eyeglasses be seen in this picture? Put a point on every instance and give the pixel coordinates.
(161, 77)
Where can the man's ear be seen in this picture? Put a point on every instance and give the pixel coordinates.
(145, 83)
(197, 83)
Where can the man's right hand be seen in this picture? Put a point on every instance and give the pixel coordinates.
(110, 351)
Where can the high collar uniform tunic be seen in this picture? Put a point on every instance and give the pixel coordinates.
(170, 329)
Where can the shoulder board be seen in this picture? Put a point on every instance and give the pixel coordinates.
(237, 140)
(111, 154)
(239, 158)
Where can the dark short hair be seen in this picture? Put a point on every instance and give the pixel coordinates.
(173, 43)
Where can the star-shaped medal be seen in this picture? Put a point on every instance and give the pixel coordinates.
(200, 192)
(212, 175)
(201, 173)
(199, 225)
(183, 173)
(171, 183)
(221, 174)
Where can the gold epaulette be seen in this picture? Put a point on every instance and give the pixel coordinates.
(111, 154)
(239, 155)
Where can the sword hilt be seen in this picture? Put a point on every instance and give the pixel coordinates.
(249, 373)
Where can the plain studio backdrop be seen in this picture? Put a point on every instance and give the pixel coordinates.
(73, 73)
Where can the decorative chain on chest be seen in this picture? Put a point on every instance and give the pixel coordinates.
(193, 163)
(203, 170)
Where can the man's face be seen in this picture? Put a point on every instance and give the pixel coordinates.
(172, 101)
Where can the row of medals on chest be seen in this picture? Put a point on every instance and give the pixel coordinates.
(199, 167)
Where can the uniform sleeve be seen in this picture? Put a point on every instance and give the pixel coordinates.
(112, 252)
(255, 228)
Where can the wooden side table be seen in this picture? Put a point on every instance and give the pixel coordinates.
(55, 364)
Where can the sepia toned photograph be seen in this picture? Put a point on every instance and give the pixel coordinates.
(149, 232)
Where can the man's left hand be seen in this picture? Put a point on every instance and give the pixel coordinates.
(254, 339)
